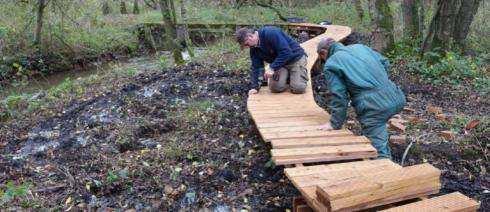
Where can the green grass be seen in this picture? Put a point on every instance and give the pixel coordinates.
(14, 192)
(450, 69)
(225, 53)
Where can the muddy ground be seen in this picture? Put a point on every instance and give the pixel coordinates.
(182, 139)
(175, 139)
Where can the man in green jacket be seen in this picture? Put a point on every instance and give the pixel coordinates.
(360, 74)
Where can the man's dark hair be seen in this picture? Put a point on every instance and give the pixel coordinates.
(242, 33)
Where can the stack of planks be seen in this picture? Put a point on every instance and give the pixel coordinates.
(368, 190)
(364, 185)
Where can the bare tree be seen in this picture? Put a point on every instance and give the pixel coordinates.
(106, 8)
(184, 31)
(136, 8)
(412, 18)
(358, 5)
(383, 21)
(41, 5)
(450, 24)
(167, 8)
(122, 6)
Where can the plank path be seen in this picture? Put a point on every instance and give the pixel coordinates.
(350, 181)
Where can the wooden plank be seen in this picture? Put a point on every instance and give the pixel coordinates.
(322, 154)
(318, 141)
(286, 107)
(454, 202)
(291, 114)
(291, 129)
(309, 134)
(347, 187)
(290, 111)
(370, 189)
(381, 164)
(260, 121)
(415, 192)
(262, 110)
(306, 178)
(289, 123)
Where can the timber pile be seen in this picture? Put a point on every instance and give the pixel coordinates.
(289, 122)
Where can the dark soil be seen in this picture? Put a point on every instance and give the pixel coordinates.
(168, 140)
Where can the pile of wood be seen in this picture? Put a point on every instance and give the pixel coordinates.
(379, 188)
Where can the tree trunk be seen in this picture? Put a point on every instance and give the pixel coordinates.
(411, 18)
(136, 8)
(464, 19)
(169, 23)
(184, 35)
(358, 5)
(39, 26)
(450, 25)
(123, 7)
(383, 21)
(106, 8)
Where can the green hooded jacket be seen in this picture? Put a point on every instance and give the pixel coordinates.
(358, 73)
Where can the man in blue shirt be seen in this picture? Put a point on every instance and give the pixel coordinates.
(285, 56)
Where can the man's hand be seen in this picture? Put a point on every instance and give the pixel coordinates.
(252, 91)
(268, 74)
(327, 126)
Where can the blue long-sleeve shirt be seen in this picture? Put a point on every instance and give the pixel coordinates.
(276, 48)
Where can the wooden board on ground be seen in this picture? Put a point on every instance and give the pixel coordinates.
(321, 154)
(382, 187)
(286, 143)
(454, 202)
(306, 178)
(306, 134)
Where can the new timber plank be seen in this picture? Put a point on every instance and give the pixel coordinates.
(374, 189)
(317, 154)
(309, 134)
(261, 120)
(306, 178)
(291, 114)
(291, 129)
(381, 164)
(454, 202)
(286, 143)
(313, 122)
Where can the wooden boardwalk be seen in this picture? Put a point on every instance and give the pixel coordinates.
(290, 121)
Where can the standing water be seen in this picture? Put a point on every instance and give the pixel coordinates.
(144, 63)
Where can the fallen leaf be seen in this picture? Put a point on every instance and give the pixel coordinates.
(397, 126)
(409, 110)
(447, 134)
(398, 139)
(68, 201)
(434, 110)
(472, 124)
(441, 117)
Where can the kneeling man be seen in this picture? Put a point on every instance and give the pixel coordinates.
(285, 56)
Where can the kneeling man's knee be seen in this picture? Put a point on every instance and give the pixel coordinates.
(277, 88)
(298, 88)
